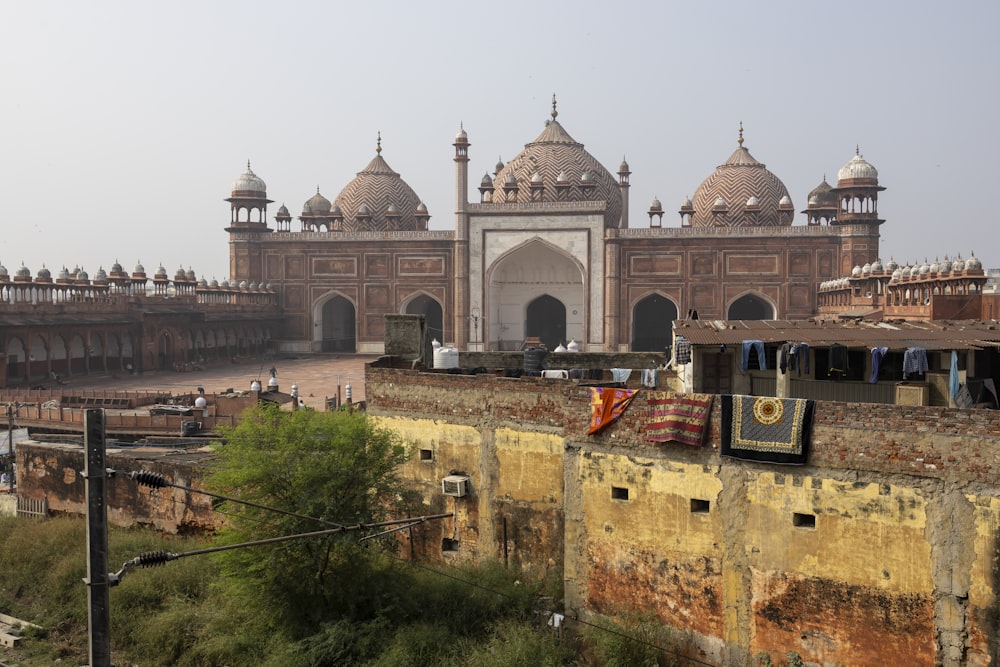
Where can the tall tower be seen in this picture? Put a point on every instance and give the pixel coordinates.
(248, 220)
(857, 193)
(460, 310)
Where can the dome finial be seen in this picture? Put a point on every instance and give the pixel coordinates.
(554, 112)
(317, 191)
(857, 149)
(740, 140)
(378, 145)
(248, 167)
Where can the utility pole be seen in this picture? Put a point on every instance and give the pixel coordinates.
(98, 586)
(10, 444)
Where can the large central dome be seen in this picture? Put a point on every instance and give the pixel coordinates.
(742, 193)
(556, 168)
(379, 200)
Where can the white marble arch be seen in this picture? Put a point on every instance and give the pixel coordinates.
(522, 274)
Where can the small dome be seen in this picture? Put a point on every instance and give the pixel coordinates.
(213, 283)
(317, 204)
(785, 201)
(655, 205)
(24, 272)
(560, 348)
(487, 181)
(536, 178)
(822, 195)
(83, 276)
(687, 203)
(244, 285)
(139, 268)
(499, 166)
(202, 283)
(116, 267)
(364, 210)
(814, 200)
(906, 271)
(43, 274)
(973, 264)
(511, 179)
(283, 211)
(958, 264)
(623, 166)
(897, 273)
(3, 270)
(421, 207)
(866, 269)
(392, 209)
(249, 183)
(572, 346)
(935, 266)
(224, 284)
(924, 268)
(892, 265)
(461, 134)
(856, 272)
(877, 266)
(180, 274)
(562, 177)
(161, 272)
(719, 202)
(252, 286)
(101, 275)
(64, 273)
(335, 209)
(586, 177)
(857, 168)
(753, 201)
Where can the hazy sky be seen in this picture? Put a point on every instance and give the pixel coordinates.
(124, 124)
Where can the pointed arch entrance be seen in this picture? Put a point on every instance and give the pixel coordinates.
(336, 330)
(546, 320)
(432, 312)
(652, 323)
(750, 307)
(530, 277)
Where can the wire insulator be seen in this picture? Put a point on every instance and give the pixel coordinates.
(154, 480)
(154, 558)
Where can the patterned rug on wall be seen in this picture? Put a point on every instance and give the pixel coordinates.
(678, 418)
(764, 428)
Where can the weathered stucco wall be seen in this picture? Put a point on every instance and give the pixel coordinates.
(884, 548)
(55, 472)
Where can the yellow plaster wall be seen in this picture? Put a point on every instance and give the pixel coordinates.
(453, 447)
(866, 534)
(657, 516)
(530, 466)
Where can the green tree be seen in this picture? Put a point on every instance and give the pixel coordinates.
(336, 466)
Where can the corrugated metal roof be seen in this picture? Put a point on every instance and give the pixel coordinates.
(896, 335)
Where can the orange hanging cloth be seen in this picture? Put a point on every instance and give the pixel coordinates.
(606, 405)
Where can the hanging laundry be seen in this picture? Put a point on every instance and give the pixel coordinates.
(621, 374)
(682, 351)
(914, 361)
(953, 383)
(607, 404)
(755, 346)
(839, 364)
(878, 354)
(650, 378)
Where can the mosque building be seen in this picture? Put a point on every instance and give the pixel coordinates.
(547, 251)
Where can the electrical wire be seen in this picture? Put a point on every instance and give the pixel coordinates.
(153, 559)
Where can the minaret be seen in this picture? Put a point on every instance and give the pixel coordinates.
(248, 222)
(460, 292)
(623, 174)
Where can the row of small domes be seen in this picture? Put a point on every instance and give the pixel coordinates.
(79, 275)
(896, 271)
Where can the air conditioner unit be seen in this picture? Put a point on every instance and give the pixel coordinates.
(455, 485)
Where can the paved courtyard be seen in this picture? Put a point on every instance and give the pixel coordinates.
(317, 377)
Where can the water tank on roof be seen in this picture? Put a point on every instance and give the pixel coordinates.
(446, 357)
(533, 358)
